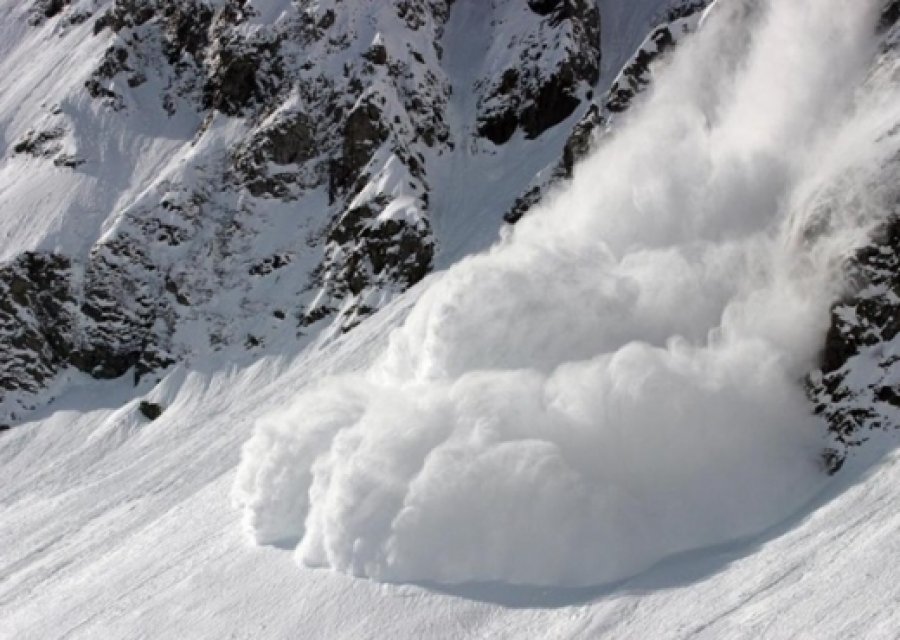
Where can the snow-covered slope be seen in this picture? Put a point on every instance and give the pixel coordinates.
(215, 175)
(113, 527)
(609, 424)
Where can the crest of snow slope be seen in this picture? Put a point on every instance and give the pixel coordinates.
(618, 380)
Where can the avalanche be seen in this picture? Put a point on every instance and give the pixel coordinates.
(617, 383)
(620, 378)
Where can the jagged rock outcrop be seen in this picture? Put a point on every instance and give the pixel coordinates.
(335, 118)
(633, 79)
(37, 319)
(53, 317)
(858, 388)
(559, 66)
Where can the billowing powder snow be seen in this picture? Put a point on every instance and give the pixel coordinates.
(621, 377)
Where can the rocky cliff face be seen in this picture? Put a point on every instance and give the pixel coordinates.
(295, 193)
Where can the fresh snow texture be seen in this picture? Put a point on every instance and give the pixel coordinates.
(620, 378)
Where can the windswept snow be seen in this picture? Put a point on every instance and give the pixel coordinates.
(621, 378)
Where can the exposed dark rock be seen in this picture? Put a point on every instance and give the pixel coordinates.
(535, 97)
(861, 323)
(377, 54)
(252, 342)
(126, 13)
(270, 264)
(241, 70)
(636, 76)
(633, 79)
(50, 320)
(499, 127)
(52, 8)
(364, 251)
(415, 13)
(554, 101)
(150, 410)
(522, 204)
(78, 17)
(210, 61)
(383, 114)
(115, 60)
(890, 16)
(686, 8)
(364, 132)
(68, 161)
(578, 145)
(290, 140)
(37, 320)
(871, 316)
(545, 7)
(241, 75)
(186, 30)
(43, 144)
(121, 313)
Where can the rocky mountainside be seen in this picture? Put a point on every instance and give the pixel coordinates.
(449, 318)
(247, 176)
(232, 175)
(857, 389)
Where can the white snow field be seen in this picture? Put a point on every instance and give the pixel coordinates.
(115, 528)
(597, 428)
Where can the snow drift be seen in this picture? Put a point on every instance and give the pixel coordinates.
(620, 378)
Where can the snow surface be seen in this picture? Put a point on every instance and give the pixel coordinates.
(41, 78)
(113, 527)
(665, 416)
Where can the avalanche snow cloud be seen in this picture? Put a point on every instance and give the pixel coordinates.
(620, 378)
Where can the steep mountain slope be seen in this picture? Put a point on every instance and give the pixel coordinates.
(217, 174)
(114, 527)
(218, 221)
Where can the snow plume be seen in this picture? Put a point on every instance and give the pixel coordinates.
(619, 379)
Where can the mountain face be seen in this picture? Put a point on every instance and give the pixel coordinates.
(233, 176)
(578, 316)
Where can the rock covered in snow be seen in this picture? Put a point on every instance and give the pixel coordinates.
(857, 389)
